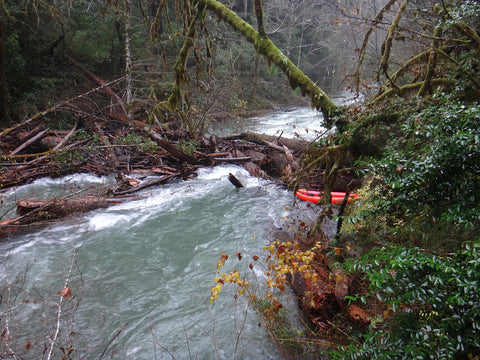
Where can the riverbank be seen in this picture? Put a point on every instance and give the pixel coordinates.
(139, 158)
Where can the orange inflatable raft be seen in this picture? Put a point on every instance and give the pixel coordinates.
(315, 196)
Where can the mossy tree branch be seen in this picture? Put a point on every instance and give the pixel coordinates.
(156, 23)
(363, 50)
(264, 46)
(418, 59)
(388, 43)
(472, 35)
(407, 89)
(432, 63)
(181, 78)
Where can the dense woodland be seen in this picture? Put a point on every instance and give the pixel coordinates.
(110, 86)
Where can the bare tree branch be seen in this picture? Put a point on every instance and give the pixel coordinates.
(64, 293)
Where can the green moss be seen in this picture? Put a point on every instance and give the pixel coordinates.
(265, 47)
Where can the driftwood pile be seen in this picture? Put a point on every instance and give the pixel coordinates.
(35, 152)
(156, 157)
(103, 142)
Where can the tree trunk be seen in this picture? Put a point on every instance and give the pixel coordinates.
(432, 63)
(39, 210)
(387, 44)
(3, 80)
(128, 59)
(176, 99)
(152, 8)
(259, 15)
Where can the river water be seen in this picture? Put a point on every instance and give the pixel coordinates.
(297, 122)
(140, 272)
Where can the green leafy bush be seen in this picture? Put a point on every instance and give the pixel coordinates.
(434, 169)
(436, 301)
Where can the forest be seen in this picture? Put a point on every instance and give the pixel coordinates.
(107, 86)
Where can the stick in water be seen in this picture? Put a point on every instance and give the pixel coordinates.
(234, 180)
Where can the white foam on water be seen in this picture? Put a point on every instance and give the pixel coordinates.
(105, 220)
(66, 182)
(152, 261)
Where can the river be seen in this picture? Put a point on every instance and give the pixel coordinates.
(140, 272)
(297, 122)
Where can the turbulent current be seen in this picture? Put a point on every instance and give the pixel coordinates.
(140, 273)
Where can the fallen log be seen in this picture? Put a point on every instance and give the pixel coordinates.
(34, 214)
(288, 154)
(298, 146)
(253, 168)
(235, 182)
(38, 213)
(29, 142)
(40, 210)
(56, 141)
(218, 154)
(176, 153)
(24, 136)
(161, 180)
(233, 160)
(164, 170)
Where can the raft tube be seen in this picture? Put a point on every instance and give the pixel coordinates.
(315, 196)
